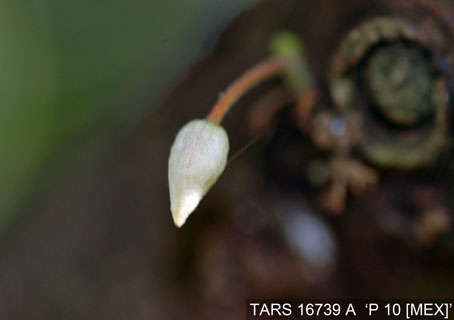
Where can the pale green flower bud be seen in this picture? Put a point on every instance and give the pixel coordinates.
(197, 158)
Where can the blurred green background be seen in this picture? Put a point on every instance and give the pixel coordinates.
(74, 70)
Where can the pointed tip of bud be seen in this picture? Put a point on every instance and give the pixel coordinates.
(197, 158)
(183, 206)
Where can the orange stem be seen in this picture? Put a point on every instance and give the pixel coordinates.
(257, 74)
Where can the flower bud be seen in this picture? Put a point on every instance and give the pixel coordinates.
(197, 158)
